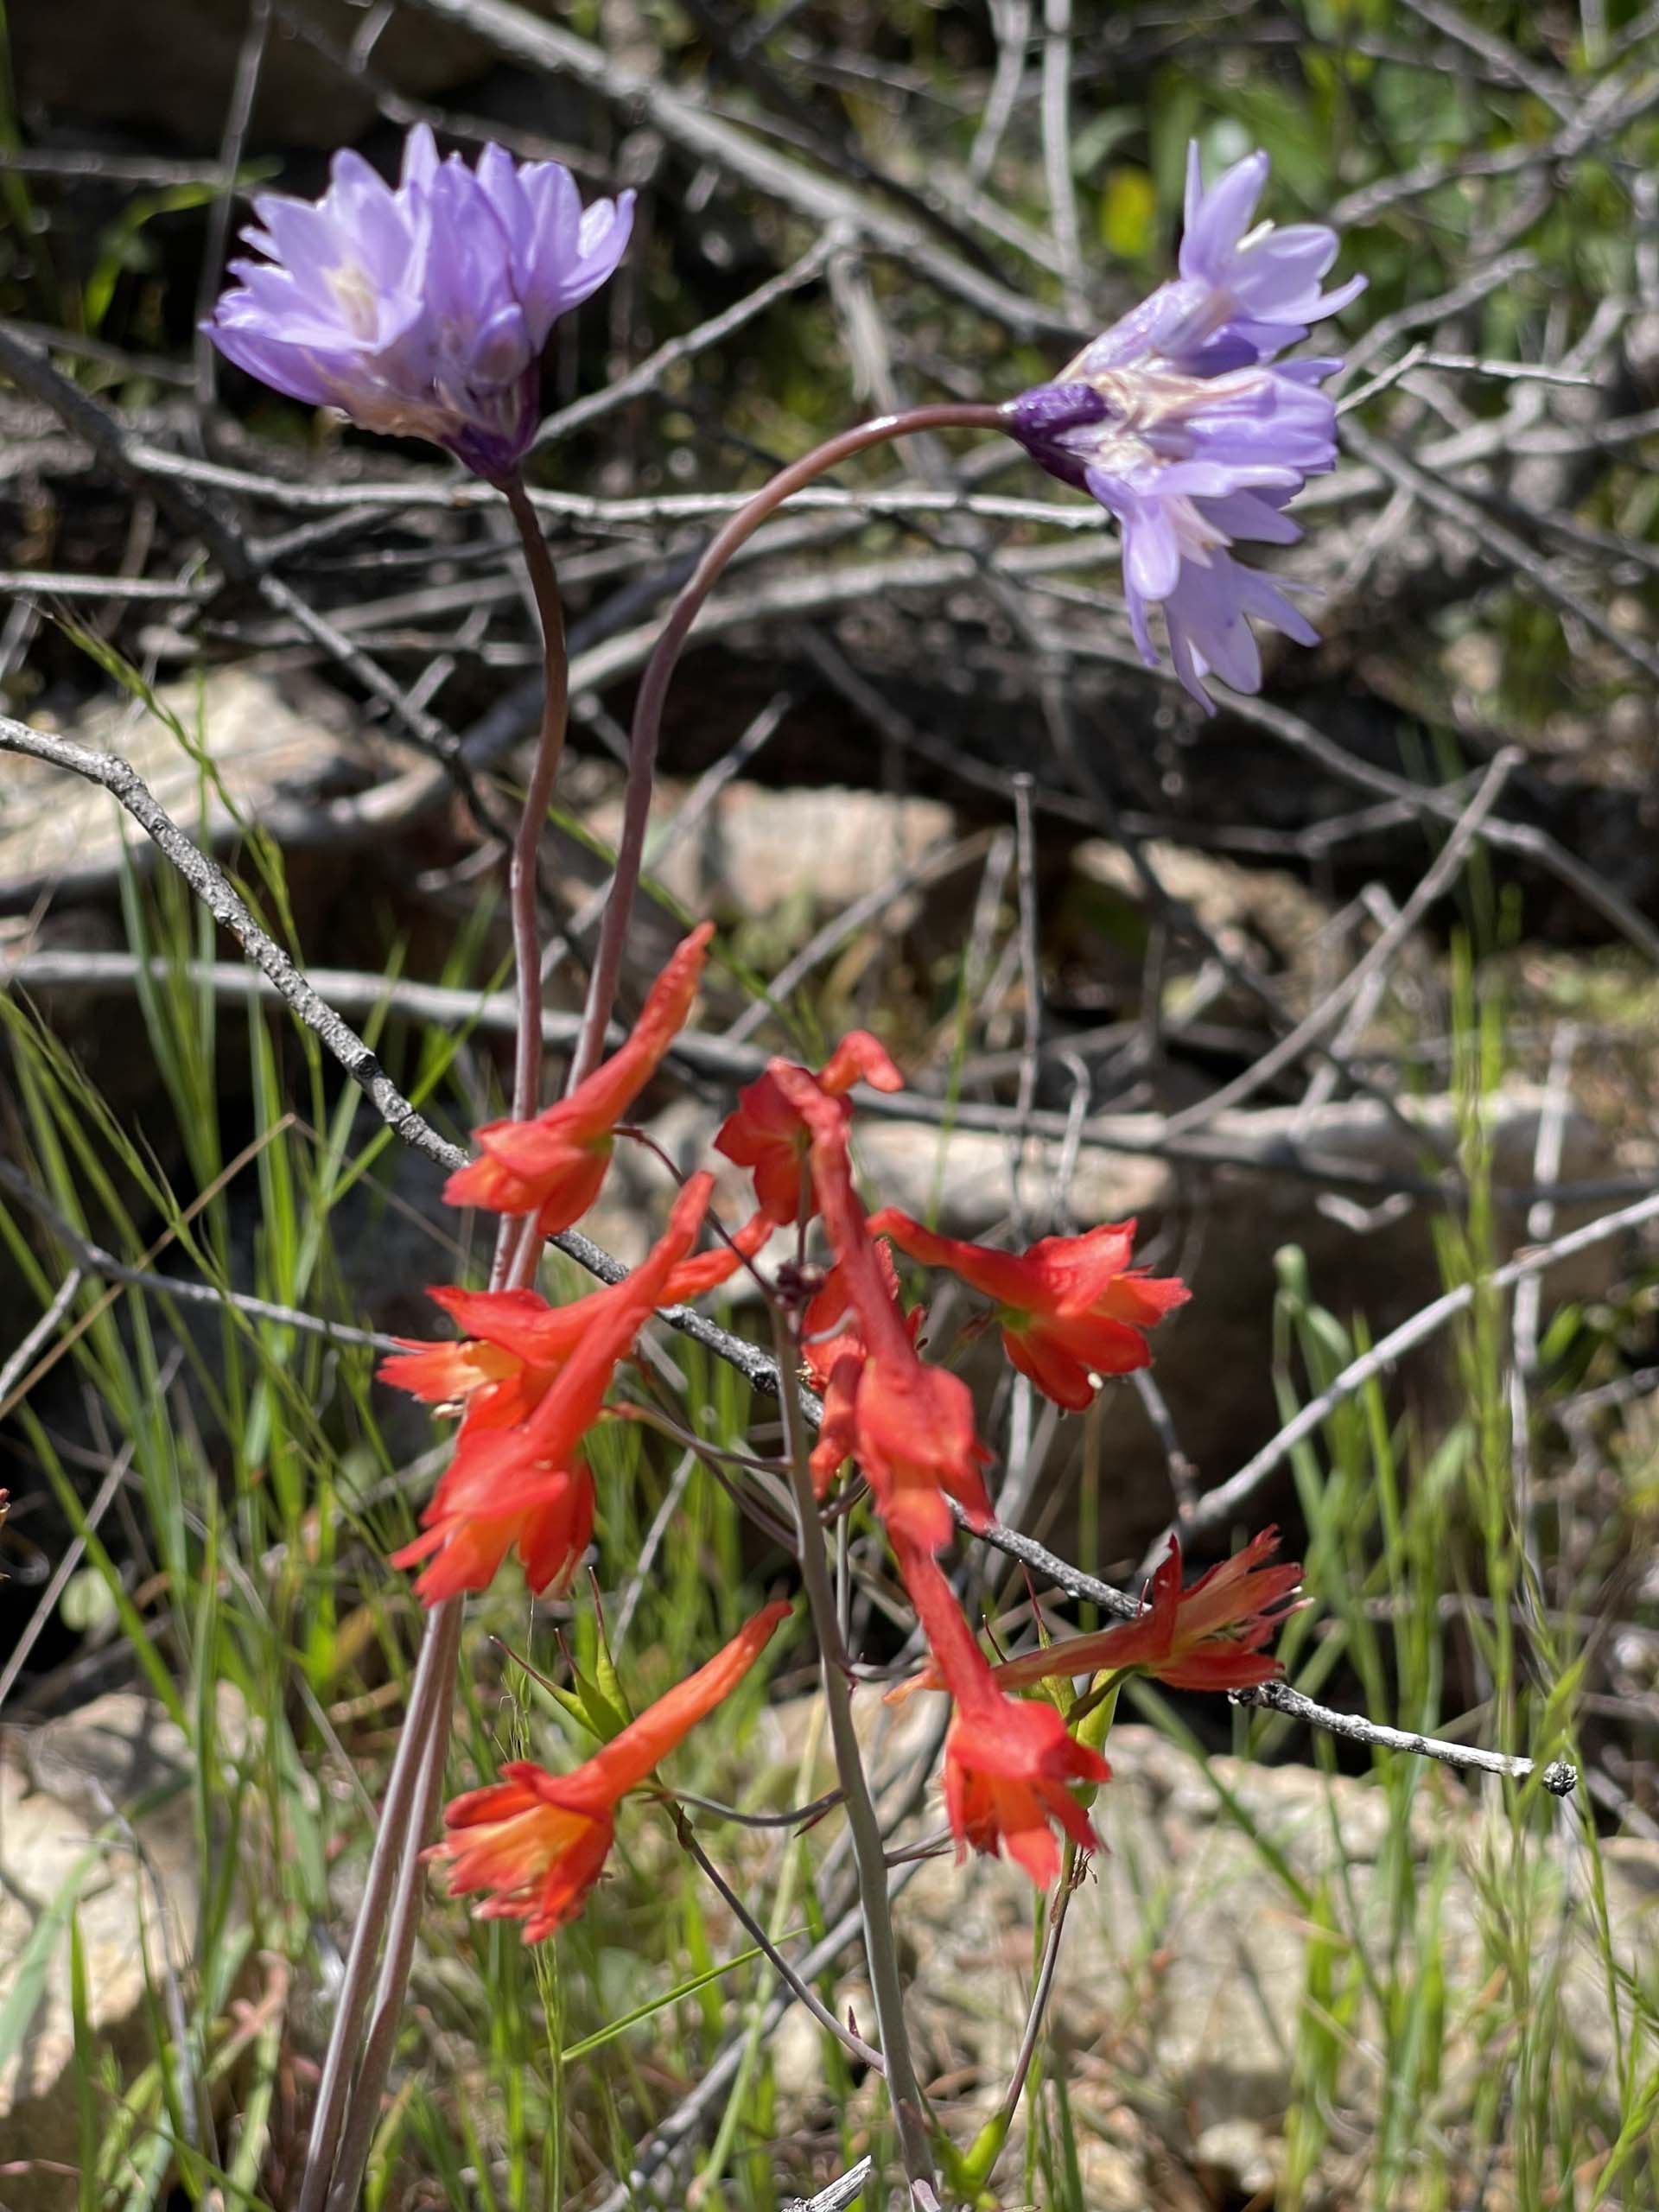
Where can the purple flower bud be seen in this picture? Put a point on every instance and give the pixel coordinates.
(421, 312)
(1183, 423)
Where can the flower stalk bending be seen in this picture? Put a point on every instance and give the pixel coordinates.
(653, 685)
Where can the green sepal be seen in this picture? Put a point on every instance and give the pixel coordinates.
(966, 2173)
(587, 1703)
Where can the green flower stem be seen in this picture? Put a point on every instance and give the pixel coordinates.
(869, 1846)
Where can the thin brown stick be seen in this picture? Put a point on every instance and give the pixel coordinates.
(803, 1992)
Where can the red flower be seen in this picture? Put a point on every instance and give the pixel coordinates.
(468, 1529)
(911, 1427)
(1006, 1772)
(538, 1841)
(553, 1166)
(1209, 1637)
(767, 1135)
(1070, 1306)
(833, 1352)
(1007, 1762)
(914, 1437)
(521, 1483)
(706, 1271)
(516, 1342)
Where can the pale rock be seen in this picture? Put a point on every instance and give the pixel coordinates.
(279, 747)
(1185, 1967)
(119, 1763)
(1112, 2179)
(1236, 2148)
(755, 850)
(1236, 905)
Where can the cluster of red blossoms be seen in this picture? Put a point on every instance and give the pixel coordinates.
(530, 1380)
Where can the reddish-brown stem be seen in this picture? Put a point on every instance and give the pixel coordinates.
(428, 1692)
(516, 1253)
(521, 892)
(416, 1782)
(653, 685)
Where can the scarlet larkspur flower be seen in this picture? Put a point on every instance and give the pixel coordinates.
(912, 1426)
(515, 1343)
(526, 1486)
(1185, 426)
(1008, 1763)
(833, 1351)
(467, 1530)
(1069, 1306)
(537, 1841)
(1209, 1637)
(554, 1165)
(421, 312)
(767, 1136)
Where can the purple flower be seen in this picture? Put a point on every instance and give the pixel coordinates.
(1181, 421)
(421, 312)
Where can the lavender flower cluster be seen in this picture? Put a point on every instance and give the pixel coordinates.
(422, 312)
(1183, 423)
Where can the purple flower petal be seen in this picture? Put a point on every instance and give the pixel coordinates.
(1182, 422)
(420, 311)
(1217, 220)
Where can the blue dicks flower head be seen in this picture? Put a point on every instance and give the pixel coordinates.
(1183, 423)
(421, 312)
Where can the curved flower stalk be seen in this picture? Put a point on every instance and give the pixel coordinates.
(524, 1485)
(1181, 421)
(767, 1136)
(554, 1166)
(1008, 1765)
(537, 1843)
(911, 1426)
(422, 311)
(1069, 1308)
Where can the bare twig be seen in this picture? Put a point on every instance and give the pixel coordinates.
(238, 114)
(803, 1992)
(1437, 880)
(840, 2193)
(1057, 152)
(1558, 1777)
(1219, 1506)
(16, 1362)
(94, 1259)
(690, 124)
(1275, 1151)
